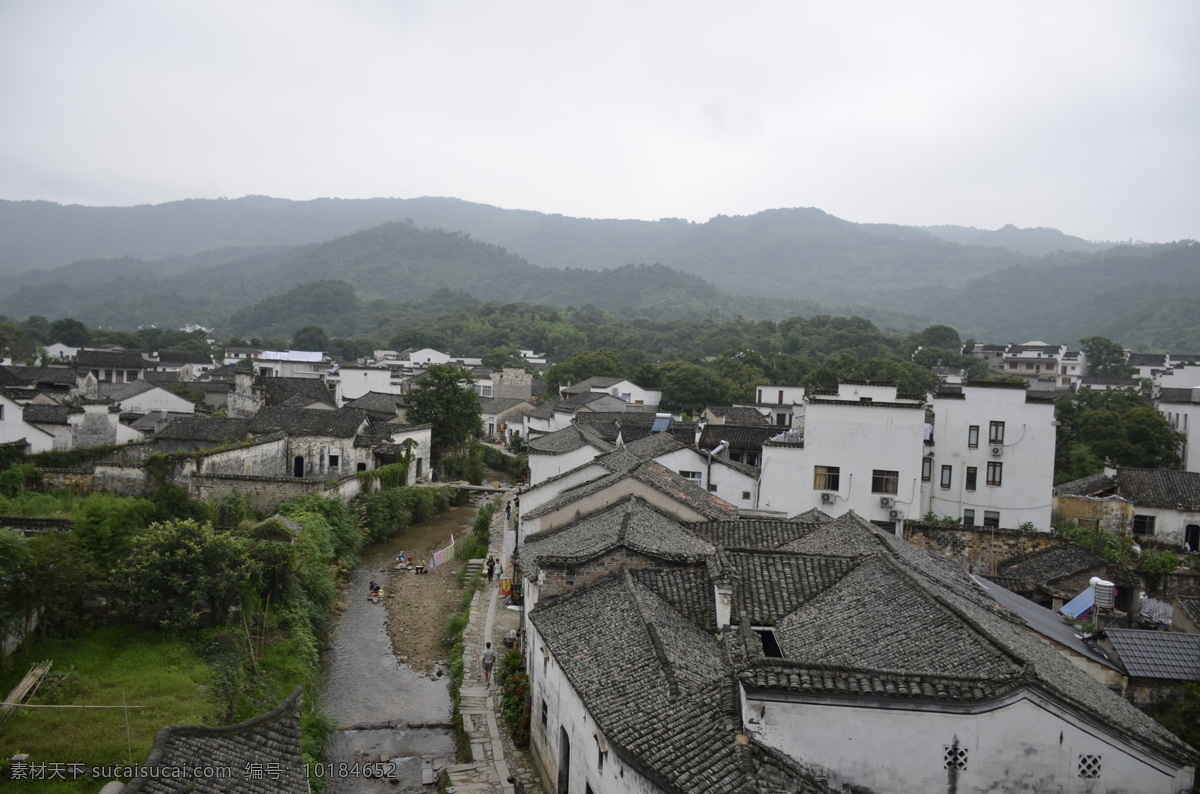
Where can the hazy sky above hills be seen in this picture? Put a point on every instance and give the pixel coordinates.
(1084, 116)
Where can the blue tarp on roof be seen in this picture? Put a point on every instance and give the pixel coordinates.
(1080, 605)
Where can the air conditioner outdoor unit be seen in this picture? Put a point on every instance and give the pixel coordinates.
(826, 497)
(895, 514)
(885, 501)
(997, 451)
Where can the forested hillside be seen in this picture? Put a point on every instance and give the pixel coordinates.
(229, 264)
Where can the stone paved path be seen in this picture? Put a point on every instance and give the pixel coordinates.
(494, 757)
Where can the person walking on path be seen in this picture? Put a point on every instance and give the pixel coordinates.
(488, 659)
(491, 568)
(518, 786)
(507, 512)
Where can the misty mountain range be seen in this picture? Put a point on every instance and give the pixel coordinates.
(240, 266)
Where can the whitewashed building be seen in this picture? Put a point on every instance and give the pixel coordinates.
(860, 450)
(991, 460)
(1181, 407)
(815, 656)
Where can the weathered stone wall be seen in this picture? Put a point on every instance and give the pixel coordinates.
(267, 493)
(122, 480)
(1110, 513)
(78, 480)
(978, 549)
(265, 459)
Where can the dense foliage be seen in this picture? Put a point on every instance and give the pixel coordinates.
(1119, 425)
(445, 398)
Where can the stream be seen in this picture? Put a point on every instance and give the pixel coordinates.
(398, 719)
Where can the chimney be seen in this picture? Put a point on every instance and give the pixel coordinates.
(724, 600)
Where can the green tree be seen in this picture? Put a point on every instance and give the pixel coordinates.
(690, 387)
(444, 397)
(184, 573)
(501, 357)
(311, 337)
(598, 363)
(1118, 425)
(16, 594)
(1105, 358)
(69, 331)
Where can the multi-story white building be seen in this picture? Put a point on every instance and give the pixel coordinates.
(860, 450)
(1181, 407)
(991, 460)
(982, 453)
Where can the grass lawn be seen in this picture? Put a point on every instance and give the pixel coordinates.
(107, 667)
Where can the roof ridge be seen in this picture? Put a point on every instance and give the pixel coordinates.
(660, 652)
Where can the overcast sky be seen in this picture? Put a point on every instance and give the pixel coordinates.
(1083, 116)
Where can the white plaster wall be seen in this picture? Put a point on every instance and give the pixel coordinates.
(1025, 745)
(1184, 418)
(542, 467)
(1183, 377)
(14, 428)
(157, 400)
(730, 483)
(357, 381)
(857, 439)
(1027, 485)
(565, 709)
(770, 394)
(422, 450)
(1169, 525)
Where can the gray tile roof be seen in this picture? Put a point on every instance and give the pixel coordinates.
(630, 523)
(1093, 485)
(683, 731)
(32, 376)
(1160, 488)
(654, 445)
(110, 359)
(568, 439)
(653, 475)
(381, 402)
(123, 391)
(205, 428)
(47, 414)
(277, 391)
(1147, 359)
(859, 614)
(738, 414)
(1190, 606)
(269, 740)
(1169, 655)
(1177, 396)
(1046, 566)
(340, 423)
(738, 436)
